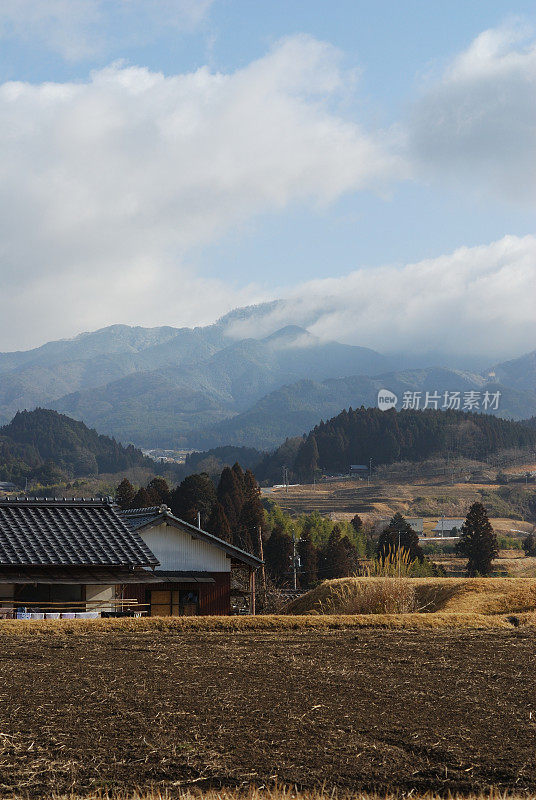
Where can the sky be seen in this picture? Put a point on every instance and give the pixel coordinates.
(372, 164)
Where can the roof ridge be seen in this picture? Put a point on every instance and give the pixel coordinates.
(133, 512)
(58, 501)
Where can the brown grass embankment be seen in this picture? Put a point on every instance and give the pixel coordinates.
(273, 622)
(288, 622)
(426, 596)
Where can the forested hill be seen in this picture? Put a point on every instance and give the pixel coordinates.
(355, 436)
(47, 446)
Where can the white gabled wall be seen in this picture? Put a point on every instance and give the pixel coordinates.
(177, 549)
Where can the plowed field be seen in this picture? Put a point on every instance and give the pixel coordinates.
(371, 709)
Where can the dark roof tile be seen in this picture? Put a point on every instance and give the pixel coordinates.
(61, 533)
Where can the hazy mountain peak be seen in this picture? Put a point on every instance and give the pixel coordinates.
(291, 336)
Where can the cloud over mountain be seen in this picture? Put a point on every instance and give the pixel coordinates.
(107, 185)
(476, 300)
(109, 188)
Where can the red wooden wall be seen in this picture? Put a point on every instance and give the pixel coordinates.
(214, 598)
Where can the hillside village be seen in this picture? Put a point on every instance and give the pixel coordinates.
(267, 400)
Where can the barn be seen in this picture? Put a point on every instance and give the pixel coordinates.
(195, 566)
(86, 557)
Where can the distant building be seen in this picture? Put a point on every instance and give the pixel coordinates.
(448, 526)
(417, 523)
(6, 486)
(358, 468)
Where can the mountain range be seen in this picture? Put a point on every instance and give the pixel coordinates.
(201, 388)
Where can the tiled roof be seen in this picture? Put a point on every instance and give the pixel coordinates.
(138, 517)
(68, 532)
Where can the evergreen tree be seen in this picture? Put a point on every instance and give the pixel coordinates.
(251, 487)
(306, 461)
(308, 560)
(231, 495)
(142, 499)
(357, 523)
(477, 541)
(124, 494)
(338, 556)
(529, 545)
(399, 532)
(249, 525)
(218, 524)
(159, 491)
(278, 552)
(196, 494)
(239, 475)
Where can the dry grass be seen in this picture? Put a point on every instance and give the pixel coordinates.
(467, 596)
(380, 596)
(370, 602)
(285, 793)
(312, 619)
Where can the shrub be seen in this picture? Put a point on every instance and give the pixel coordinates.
(379, 596)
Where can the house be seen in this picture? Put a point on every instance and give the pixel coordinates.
(88, 557)
(195, 566)
(448, 527)
(68, 555)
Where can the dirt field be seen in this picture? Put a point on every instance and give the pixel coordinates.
(378, 710)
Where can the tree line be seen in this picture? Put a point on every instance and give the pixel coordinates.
(48, 447)
(356, 435)
(231, 508)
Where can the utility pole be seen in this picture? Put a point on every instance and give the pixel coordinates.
(399, 554)
(295, 561)
(370, 471)
(263, 571)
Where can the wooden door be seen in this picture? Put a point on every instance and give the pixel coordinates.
(160, 603)
(164, 603)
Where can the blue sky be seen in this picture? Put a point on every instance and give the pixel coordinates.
(428, 110)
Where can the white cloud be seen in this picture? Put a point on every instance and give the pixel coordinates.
(78, 29)
(475, 301)
(477, 125)
(106, 186)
